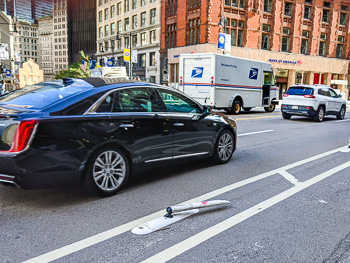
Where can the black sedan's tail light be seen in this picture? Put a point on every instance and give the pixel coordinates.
(22, 135)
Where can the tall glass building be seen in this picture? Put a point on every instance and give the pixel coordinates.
(27, 10)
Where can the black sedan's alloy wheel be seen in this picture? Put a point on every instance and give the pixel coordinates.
(107, 171)
(224, 147)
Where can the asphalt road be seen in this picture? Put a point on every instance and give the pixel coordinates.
(288, 184)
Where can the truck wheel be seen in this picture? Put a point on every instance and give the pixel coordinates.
(236, 108)
(247, 108)
(271, 108)
(341, 113)
(319, 114)
(286, 116)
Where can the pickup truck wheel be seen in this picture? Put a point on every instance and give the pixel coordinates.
(341, 113)
(286, 116)
(236, 108)
(224, 147)
(247, 108)
(319, 114)
(271, 108)
(107, 171)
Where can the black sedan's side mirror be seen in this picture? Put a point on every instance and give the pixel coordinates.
(206, 110)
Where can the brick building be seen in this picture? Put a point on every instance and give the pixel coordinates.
(307, 41)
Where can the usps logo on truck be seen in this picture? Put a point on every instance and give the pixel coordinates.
(197, 72)
(253, 74)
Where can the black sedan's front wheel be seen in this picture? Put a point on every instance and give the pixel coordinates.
(224, 147)
(107, 171)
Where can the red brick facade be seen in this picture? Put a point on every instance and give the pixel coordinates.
(252, 15)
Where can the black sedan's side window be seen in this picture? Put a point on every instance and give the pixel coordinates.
(107, 103)
(176, 102)
(135, 100)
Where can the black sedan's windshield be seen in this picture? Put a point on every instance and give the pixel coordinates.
(39, 96)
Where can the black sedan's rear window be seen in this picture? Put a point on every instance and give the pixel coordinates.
(300, 91)
(39, 96)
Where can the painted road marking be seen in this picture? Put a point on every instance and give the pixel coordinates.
(257, 132)
(343, 120)
(98, 238)
(256, 118)
(199, 238)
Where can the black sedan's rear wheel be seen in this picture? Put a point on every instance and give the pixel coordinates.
(285, 116)
(224, 147)
(107, 171)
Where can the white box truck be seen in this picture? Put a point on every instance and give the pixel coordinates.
(230, 83)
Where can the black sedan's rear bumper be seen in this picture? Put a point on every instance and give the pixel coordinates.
(39, 170)
(299, 110)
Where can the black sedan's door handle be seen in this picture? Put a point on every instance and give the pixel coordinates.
(126, 126)
(178, 124)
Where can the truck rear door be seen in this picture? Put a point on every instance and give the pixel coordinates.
(197, 78)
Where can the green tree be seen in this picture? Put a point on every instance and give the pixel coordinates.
(74, 70)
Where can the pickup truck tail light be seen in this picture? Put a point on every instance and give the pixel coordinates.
(285, 95)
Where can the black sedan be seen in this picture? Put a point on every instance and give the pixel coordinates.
(98, 130)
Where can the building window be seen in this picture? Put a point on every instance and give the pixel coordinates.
(307, 12)
(112, 11)
(266, 28)
(194, 3)
(143, 2)
(339, 53)
(341, 39)
(285, 39)
(153, 16)
(172, 36)
(265, 43)
(143, 19)
(172, 6)
(119, 26)
(326, 11)
(152, 36)
(106, 13)
(193, 31)
(112, 28)
(236, 33)
(100, 32)
(106, 30)
(126, 24)
(342, 19)
(152, 58)
(268, 6)
(126, 42)
(126, 6)
(100, 16)
(134, 40)
(143, 39)
(304, 46)
(134, 4)
(119, 8)
(134, 21)
(322, 51)
(288, 9)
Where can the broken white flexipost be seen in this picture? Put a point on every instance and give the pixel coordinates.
(174, 214)
(179, 208)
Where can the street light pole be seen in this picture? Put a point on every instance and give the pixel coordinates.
(118, 38)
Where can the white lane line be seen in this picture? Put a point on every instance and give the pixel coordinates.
(343, 120)
(199, 238)
(289, 177)
(257, 132)
(93, 240)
